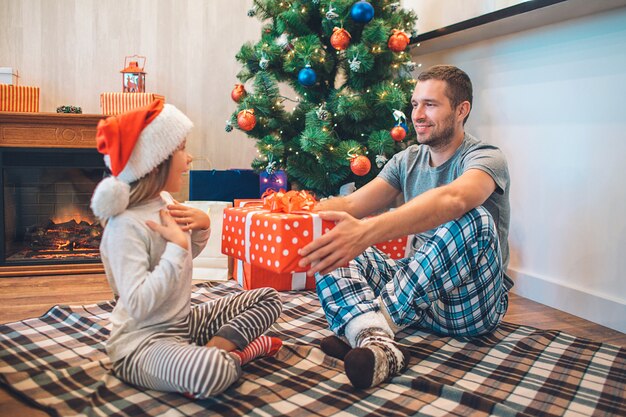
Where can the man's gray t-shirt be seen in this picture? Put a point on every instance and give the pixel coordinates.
(410, 172)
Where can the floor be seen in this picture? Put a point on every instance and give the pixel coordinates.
(26, 297)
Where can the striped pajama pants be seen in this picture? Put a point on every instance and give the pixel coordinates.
(453, 285)
(178, 361)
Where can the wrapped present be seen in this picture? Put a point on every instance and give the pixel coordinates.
(223, 185)
(116, 103)
(272, 180)
(211, 264)
(395, 248)
(252, 276)
(243, 202)
(270, 236)
(8, 75)
(19, 98)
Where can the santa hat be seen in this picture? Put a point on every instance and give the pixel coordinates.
(134, 144)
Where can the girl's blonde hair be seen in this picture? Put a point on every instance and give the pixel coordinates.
(150, 185)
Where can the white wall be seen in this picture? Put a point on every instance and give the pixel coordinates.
(553, 99)
(74, 49)
(435, 14)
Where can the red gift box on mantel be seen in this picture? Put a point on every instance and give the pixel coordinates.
(270, 236)
(20, 98)
(116, 103)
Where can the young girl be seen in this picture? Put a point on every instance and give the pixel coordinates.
(158, 340)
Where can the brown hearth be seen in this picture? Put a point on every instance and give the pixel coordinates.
(49, 169)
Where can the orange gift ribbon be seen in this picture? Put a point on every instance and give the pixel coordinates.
(287, 201)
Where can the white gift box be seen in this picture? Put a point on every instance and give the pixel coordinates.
(8, 75)
(211, 264)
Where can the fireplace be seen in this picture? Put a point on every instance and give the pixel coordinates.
(49, 168)
(46, 205)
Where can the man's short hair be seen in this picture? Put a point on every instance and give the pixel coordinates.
(458, 83)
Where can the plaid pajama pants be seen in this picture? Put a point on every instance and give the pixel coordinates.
(178, 361)
(453, 284)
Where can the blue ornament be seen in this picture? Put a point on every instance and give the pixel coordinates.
(405, 127)
(362, 12)
(307, 76)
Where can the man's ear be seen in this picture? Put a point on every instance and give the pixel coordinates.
(463, 109)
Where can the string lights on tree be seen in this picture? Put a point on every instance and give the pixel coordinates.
(348, 65)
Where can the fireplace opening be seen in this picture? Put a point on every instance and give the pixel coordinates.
(45, 206)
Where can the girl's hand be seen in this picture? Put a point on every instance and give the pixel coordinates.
(169, 230)
(189, 218)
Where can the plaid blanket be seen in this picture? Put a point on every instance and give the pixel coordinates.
(57, 362)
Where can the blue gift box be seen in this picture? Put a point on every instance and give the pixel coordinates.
(223, 185)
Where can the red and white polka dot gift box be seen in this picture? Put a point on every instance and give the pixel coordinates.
(395, 248)
(270, 238)
(252, 276)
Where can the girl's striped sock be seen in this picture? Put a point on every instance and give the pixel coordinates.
(259, 347)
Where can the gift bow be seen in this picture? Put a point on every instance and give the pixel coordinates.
(287, 202)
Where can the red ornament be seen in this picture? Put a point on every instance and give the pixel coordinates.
(246, 119)
(360, 165)
(340, 39)
(238, 93)
(398, 133)
(398, 41)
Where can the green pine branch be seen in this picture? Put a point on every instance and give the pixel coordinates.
(347, 112)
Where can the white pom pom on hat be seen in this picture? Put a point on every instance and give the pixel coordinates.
(110, 198)
(133, 144)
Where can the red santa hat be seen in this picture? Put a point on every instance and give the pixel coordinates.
(133, 144)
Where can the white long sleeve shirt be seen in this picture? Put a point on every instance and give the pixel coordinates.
(151, 276)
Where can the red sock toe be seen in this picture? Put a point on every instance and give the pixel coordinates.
(276, 345)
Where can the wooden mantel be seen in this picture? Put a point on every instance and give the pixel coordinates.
(48, 130)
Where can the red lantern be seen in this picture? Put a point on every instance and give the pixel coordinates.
(340, 39)
(246, 119)
(398, 41)
(133, 76)
(360, 165)
(238, 93)
(398, 133)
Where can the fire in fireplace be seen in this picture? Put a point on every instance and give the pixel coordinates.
(46, 215)
(70, 239)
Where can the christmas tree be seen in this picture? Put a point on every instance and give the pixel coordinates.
(349, 69)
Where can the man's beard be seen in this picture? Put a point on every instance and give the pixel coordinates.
(442, 136)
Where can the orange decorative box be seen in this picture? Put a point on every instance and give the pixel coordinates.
(116, 103)
(252, 276)
(270, 236)
(395, 248)
(242, 202)
(19, 98)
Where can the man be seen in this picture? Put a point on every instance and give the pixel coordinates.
(456, 190)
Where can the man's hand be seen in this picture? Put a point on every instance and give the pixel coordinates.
(189, 218)
(336, 248)
(169, 230)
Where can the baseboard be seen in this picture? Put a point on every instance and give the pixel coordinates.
(589, 306)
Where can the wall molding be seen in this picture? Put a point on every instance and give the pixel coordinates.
(486, 18)
(590, 306)
(524, 16)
